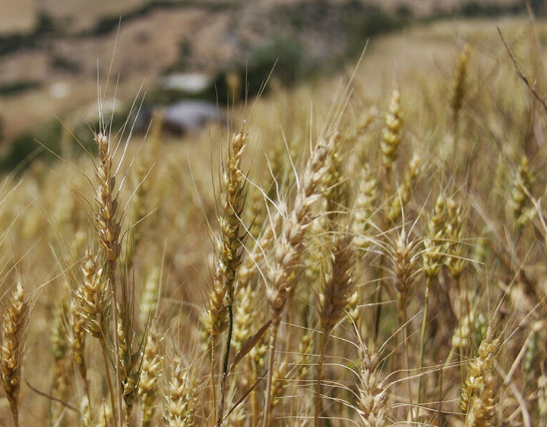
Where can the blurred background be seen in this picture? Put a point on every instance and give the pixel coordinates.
(187, 55)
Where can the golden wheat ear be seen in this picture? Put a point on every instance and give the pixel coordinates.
(477, 393)
(150, 374)
(11, 351)
(182, 396)
(289, 249)
(333, 301)
(372, 398)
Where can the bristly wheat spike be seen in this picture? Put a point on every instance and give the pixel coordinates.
(333, 301)
(150, 375)
(403, 259)
(288, 250)
(458, 87)
(289, 247)
(109, 235)
(435, 241)
(60, 349)
(456, 248)
(77, 340)
(477, 395)
(520, 201)
(331, 182)
(233, 203)
(231, 242)
(149, 300)
(215, 318)
(338, 287)
(182, 397)
(372, 401)
(92, 297)
(107, 201)
(11, 351)
(364, 208)
(392, 131)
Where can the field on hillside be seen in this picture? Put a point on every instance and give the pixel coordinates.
(367, 248)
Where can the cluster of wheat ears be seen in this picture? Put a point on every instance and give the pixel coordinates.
(363, 272)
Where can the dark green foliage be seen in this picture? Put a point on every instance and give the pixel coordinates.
(24, 149)
(65, 64)
(17, 88)
(15, 42)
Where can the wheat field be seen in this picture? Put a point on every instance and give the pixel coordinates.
(365, 249)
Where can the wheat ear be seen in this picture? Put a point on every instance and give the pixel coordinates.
(11, 351)
(182, 396)
(288, 250)
(372, 398)
(231, 240)
(477, 395)
(333, 301)
(109, 234)
(150, 373)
